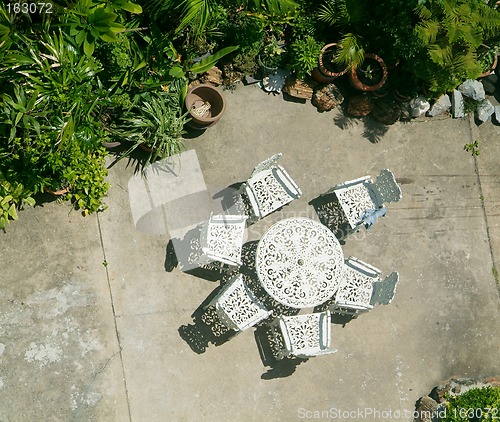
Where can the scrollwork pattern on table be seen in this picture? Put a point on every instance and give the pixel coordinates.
(299, 262)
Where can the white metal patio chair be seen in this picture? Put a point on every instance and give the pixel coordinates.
(269, 188)
(237, 307)
(355, 291)
(303, 336)
(221, 239)
(362, 196)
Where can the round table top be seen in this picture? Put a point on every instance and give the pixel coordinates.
(299, 262)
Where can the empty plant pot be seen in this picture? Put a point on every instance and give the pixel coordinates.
(205, 104)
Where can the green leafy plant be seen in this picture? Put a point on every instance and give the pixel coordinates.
(472, 147)
(156, 122)
(272, 54)
(348, 16)
(21, 114)
(13, 196)
(304, 55)
(90, 20)
(87, 180)
(451, 31)
(476, 404)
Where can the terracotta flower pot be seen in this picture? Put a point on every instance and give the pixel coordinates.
(324, 60)
(362, 86)
(205, 104)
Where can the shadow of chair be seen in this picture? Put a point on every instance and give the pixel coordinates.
(229, 310)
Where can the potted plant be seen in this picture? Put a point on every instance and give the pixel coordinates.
(304, 54)
(370, 75)
(155, 124)
(329, 67)
(271, 57)
(205, 105)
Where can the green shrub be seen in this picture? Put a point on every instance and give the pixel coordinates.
(476, 404)
(157, 121)
(304, 55)
(13, 196)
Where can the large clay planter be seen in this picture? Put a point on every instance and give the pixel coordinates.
(202, 95)
(321, 73)
(358, 84)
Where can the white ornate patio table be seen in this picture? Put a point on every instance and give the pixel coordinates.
(299, 262)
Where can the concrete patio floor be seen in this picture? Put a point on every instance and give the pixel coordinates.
(90, 316)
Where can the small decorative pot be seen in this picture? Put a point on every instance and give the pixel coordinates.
(205, 104)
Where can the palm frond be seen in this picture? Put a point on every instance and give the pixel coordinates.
(351, 53)
(196, 14)
(328, 13)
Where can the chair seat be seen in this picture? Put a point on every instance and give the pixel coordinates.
(222, 238)
(355, 200)
(270, 190)
(356, 288)
(306, 335)
(237, 307)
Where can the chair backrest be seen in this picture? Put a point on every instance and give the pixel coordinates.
(384, 291)
(267, 164)
(222, 238)
(385, 188)
(237, 307)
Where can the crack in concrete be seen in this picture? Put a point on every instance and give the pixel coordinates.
(114, 321)
(474, 135)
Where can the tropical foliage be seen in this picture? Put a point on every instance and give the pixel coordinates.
(95, 71)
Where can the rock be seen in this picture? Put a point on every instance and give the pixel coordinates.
(472, 89)
(327, 98)
(441, 106)
(457, 104)
(426, 409)
(439, 393)
(387, 112)
(494, 381)
(497, 113)
(360, 106)
(212, 76)
(299, 88)
(419, 106)
(489, 87)
(484, 110)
